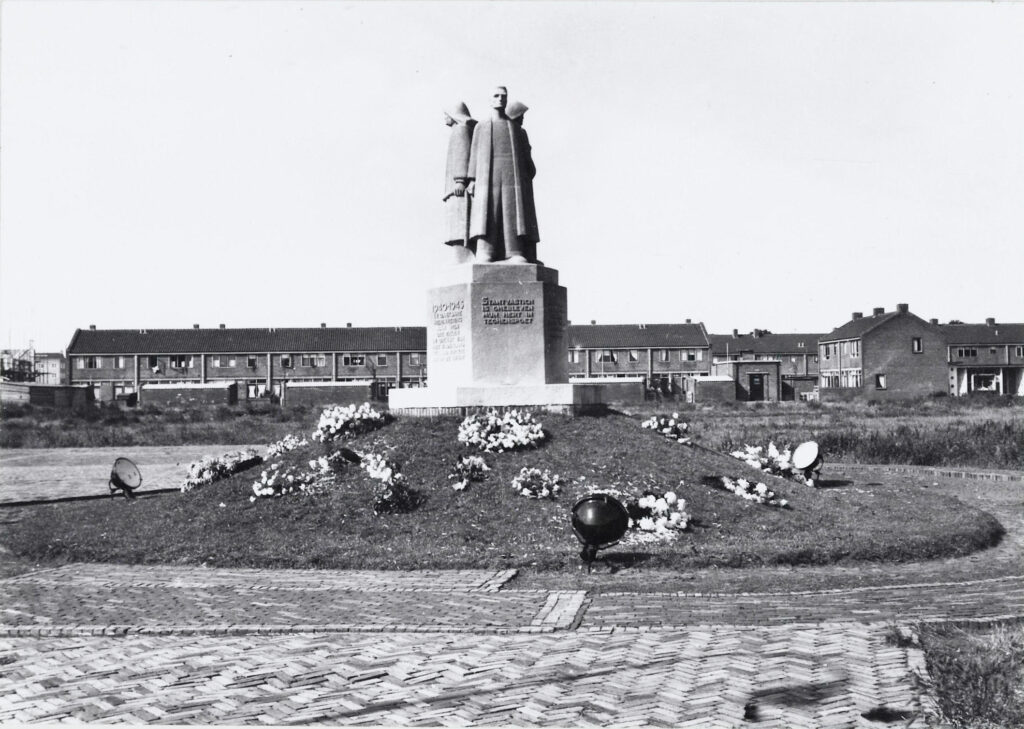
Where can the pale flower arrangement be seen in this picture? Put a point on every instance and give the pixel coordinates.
(758, 493)
(279, 480)
(215, 468)
(534, 483)
(288, 443)
(340, 421)
(772, 460)
(670, 427)
(391, 492)
(467, 470)
(497, 433)
(653, 517)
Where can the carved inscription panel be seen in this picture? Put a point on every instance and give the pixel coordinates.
(449, 334)
(508, 311)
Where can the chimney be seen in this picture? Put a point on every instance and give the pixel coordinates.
(991, 321)
(689, 322)
(348, 325)
(757, 334)
(323, 325)
(879, 310)
(933, 321)
(903, 308)
(593, 321)
(195, 326)
(92, 327)
(221, 326)
(857, 315)
(735, 333)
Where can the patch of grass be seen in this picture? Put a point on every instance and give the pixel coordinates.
(489, 525)
(977, 674)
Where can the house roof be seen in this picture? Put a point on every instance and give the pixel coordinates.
(764, 343)
(983, 333)
(202, 341)
(636, 336)
(856, 328)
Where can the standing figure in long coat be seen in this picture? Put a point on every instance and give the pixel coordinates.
(456, 202)
(503, 221)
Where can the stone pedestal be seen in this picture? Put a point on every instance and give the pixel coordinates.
(496, 338)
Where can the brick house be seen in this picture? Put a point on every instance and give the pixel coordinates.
(788, 369)
(887, 355)
(663, 355)
(985, 357)
(117, 361)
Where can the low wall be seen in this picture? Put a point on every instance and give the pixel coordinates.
(58, 396)
(326, 393)
(191, 394)
(714, 390)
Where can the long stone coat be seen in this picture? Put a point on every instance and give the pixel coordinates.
(517, 199)
(456, 208)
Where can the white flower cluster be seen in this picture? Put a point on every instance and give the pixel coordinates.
(214, 468)
(391, 495)
(536, 484)
(671, 427)
(661, 514)
(753, 492)
(499, 433)
(280, 480)
(338, 421)
(288, 443)
(326, 465)
(467, 469)
(773, 461)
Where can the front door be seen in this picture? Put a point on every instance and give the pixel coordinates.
(757, 387)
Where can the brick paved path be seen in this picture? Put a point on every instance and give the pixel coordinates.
(192, 645)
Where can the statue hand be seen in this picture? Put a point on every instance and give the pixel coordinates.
(472, 187)
(460, 189)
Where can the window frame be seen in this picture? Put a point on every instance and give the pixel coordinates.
(880, 382)
(916, 345)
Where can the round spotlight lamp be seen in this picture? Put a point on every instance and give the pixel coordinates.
(124, 477)
(599, 521)
(807, 458)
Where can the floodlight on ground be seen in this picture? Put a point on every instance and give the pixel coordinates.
(807, 458)
(599, 521)
(124, 477)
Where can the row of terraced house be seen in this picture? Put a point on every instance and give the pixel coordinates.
(883, 355)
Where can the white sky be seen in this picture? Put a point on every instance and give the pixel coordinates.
(281, 163)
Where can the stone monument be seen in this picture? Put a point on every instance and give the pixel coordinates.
(496, 331)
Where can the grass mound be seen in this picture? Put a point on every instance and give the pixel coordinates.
(490, 525)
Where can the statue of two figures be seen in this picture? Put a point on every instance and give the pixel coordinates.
(489, 209)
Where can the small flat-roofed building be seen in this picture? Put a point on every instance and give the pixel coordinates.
(985, 357)
(796, 355)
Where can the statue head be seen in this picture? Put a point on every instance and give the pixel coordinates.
(499, 98)
(457, 113)
(515, 111)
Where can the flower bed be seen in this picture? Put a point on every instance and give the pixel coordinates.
(497, 433)
(750, 491)
(288, 443)
(280, 480)
(391, 493)
(772, 460)
(534, 483)
(671, 427)
(654, 516)
(214, 468)
(467, 470)
(346, 421)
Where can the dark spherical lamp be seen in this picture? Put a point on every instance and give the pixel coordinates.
(599, 521)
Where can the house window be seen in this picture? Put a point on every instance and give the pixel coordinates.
(232, 362)
(181, 361)
(992, 350)
(119, 363)
(879, 382)
(663, 355)
(414, 358)
(916, 346)
(382, 360)
(607, 355)
(1020, 351)
(79, 363)
(314, 360)
(634, 355)
(799, 345)
(825, 352)
(962, 352)
(574, 356)
(353, 360)
(215, 362)
(815, 359)
(90, 363)
(250, 361)
(286, 360)
(855, 348)
(693, 355)
(153, 362)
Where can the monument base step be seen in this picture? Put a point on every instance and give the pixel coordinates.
(570, 398)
